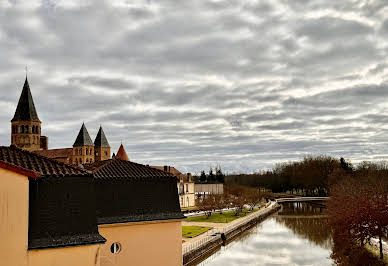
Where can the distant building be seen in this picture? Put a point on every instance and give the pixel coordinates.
(115, 214)
(26, 134)
(185, 183)
(209, 188)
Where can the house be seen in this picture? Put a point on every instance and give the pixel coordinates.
(209, 188)
(138, 213)
(47, 212)
(55, 214)
(185, 184)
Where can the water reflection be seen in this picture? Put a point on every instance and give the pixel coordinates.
(297, 235)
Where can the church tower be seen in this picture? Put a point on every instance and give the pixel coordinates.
(83, 147)
(101, 147)
(25, 125)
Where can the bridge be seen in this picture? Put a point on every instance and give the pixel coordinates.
(298, 199)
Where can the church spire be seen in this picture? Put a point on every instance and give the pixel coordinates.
(83, 138)
(121, 154)
(101, 140)
(25, 111)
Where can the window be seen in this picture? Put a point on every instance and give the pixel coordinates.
(87, 151)
(115, 248)
(87, 160)
(106, 153)
(27, 129)
(187, 188)
(22, 129)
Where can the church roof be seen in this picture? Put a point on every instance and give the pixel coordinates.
(25, 111)
(34, 164)
(83, 138)
(101, 140)
(121, 154)
(56, 153)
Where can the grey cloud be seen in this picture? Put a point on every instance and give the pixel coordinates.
(195, 84)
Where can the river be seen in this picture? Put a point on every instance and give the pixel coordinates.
(296, 235)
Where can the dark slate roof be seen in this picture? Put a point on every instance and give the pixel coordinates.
(25, 111)
(101, 141)
(83, 138)
(40, 165)
(122, 169)
(132, 192)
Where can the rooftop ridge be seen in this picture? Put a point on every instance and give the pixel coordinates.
(45, 160)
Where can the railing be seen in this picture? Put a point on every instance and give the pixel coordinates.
(216, 232)
(199, 243)
(302, 199)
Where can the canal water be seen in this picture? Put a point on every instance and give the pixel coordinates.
(297, 235)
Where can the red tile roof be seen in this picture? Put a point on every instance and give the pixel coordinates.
(121, 154)
(170, 169)
(27, 161)
(56, 153)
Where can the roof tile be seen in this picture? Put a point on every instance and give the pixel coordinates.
(36, 163)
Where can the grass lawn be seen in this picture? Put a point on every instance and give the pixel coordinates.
(193, 231)
(225, 217)
(376, 253)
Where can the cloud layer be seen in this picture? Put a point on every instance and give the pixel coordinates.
(243, 84)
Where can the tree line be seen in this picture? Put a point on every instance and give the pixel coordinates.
(235, 197)
(358, 210)
(213, 176)
(307, 177)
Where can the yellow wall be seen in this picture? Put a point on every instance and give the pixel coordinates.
(13, 218)
(14, 231)
(143, 244)
(69, 256)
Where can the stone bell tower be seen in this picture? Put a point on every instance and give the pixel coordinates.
(25, 125)
(101, 146)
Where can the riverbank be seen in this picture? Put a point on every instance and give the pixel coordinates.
(375, 248)
(195, 250)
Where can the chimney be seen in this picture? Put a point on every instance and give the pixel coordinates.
(165, 168)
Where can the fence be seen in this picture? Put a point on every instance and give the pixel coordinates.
(215, 233)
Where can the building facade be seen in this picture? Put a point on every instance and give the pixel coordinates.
(185, 185)
(117, 213)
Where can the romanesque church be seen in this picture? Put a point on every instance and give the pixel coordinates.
(26, 134)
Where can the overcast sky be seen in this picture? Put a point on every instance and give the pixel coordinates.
(195, 83)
